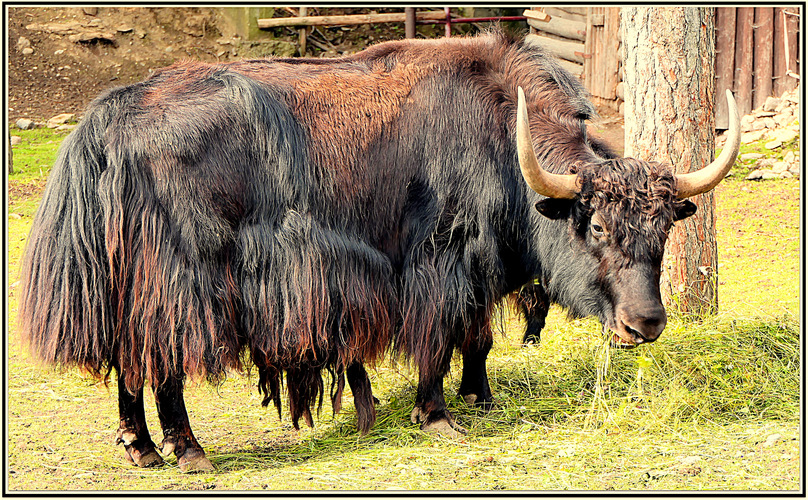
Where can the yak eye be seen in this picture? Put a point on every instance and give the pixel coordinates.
(597, 230)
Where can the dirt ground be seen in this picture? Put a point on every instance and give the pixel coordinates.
(79, 52)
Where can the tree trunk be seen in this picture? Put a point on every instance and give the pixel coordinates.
(670, 86)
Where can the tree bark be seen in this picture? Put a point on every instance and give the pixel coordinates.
(670, 87)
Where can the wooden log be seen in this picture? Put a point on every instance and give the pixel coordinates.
(571, 51)
(562, 27)
(575, 69)
(556, 12)
(724, 62)
(764, 44)
(536, 15)
(395, 17)
(578, 11)
(743, 59)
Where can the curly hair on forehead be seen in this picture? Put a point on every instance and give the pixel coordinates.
(638, 199)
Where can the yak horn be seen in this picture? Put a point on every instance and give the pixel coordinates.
(560, 186)
(703, 180)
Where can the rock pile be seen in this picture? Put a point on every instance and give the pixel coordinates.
(777, 123)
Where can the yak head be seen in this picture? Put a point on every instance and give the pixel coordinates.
(619, 212)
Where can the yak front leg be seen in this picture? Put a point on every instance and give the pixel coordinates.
(177, 435)
(474, 388)
(133, 431)
(430, 405)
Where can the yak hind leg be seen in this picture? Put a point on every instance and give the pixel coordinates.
(364, 400)
(534, 303)
(430, 405)
(133, 432)
(177, 435)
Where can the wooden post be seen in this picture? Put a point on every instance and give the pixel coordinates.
(744, 59)
(792, 40)
(448, 11)
(409, 22)
(724, 62)
(764, 44)
(303, 12)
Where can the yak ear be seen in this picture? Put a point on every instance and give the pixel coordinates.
(553, 208)
(684, 210)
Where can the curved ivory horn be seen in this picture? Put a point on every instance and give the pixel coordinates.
(703, 180)
(560, 186)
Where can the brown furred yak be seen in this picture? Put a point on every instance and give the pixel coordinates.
(312, 214)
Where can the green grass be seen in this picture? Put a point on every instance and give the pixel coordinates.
(692, 411)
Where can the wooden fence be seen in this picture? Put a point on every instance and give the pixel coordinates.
(757, 51)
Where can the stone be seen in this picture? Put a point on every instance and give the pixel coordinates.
(23, 43)
(794, 169)
(789, 157)
(27, 51)
(758, 124)
(755, 175)
(88, 36)
(786, 175)
(771, 440)
(746, 123)
(765, 162)
(752, 156)
(755, 136)
(771, 103)
(66, 126)
(769, 175)
(25, 124)
(769, 123)
(125, 28)
(90, 11)
(773, 144)
(60, 120)
(15, 140)
(784, 118)
(779, 167)
(784, 135)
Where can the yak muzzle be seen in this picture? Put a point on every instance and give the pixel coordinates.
(639, 324)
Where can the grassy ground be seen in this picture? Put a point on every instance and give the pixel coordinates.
(710, 406)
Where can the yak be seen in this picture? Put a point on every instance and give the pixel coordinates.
(310, 215)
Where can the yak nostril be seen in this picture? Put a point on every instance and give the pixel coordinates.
(647, 328)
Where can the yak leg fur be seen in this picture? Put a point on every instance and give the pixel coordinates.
(363, 397)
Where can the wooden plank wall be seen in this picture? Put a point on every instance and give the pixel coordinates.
(751, 55)
(602, 57)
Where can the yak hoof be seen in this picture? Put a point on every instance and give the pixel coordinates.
(478, 402)
(149, 459)
(167, 446)
(445, 427)
(195, 461)
(417, 416)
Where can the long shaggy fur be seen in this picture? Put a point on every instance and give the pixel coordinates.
(310, 213)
